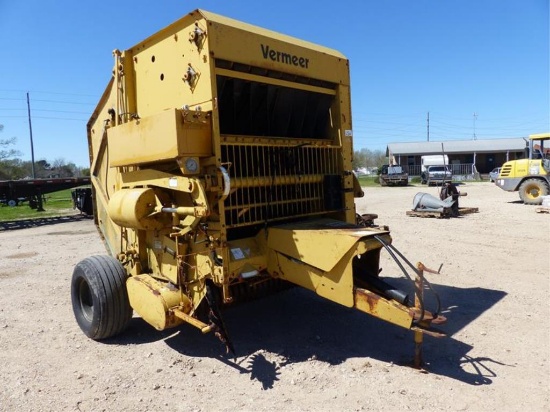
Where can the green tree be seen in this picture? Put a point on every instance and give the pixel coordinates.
(13, 168)
(5, 151)
(359, 160)
(42, 169)
(369, 158)
(60, 168)
(8, 165)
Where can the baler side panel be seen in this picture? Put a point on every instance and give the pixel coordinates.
(103, 176)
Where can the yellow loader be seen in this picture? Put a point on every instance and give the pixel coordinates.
(530, 176)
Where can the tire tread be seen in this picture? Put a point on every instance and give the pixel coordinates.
(107, 280)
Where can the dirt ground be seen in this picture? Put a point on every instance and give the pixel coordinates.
(296, 351)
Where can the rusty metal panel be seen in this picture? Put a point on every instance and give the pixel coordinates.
(388, 310)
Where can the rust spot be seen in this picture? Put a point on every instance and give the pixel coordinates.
(428, 317)
(371, 300)
(440, 320)
(148, 286)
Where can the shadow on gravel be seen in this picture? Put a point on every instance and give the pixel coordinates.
(45, 221)
(297, 326)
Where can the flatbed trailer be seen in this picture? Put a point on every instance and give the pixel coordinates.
(14, 191)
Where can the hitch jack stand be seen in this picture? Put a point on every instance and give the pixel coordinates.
(418, 336)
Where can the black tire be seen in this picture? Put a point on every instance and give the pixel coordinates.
(12, 202)
(99, 297)
(531, 191)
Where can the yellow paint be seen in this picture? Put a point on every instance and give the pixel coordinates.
(317, 244)
(318, 256)
(132, 208)
(164, 136)
(152, 299)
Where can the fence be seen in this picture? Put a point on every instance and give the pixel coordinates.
(462, 171)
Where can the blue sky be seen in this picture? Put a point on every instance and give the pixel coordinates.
(450, 58)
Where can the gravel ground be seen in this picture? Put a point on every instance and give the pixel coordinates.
(296, 351)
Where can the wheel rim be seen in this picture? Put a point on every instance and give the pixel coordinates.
(532, 192)
(86, 301)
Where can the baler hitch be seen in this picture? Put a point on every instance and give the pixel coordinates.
(215, 318)
(423, 319)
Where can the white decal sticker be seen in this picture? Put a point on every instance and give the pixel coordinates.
(237, 253)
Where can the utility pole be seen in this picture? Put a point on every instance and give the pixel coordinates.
(428, 126)
(30, 130)
(475, 118)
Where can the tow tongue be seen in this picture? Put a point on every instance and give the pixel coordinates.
(318, 255)
(339, 262)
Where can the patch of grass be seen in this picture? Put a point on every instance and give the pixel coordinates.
(56, 204)
(366, 181)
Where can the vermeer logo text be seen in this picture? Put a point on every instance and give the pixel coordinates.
(282, 57)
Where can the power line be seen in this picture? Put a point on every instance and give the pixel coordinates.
(48, 101)
(59, 118)
(44, 117)
(62, 102)
(46, 92)
(47, 110)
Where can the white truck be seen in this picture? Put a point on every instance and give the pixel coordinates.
(393, 175)
(435, 169)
